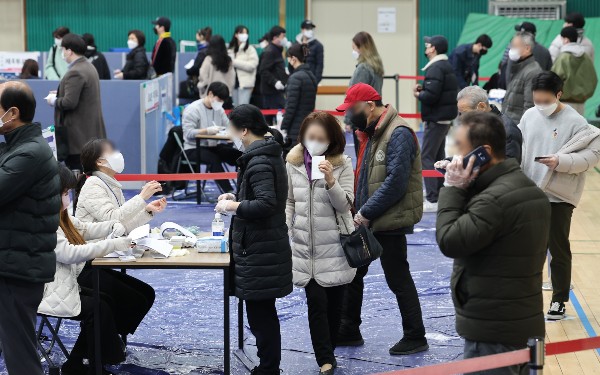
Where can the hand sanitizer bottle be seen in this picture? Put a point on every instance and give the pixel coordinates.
(218, 226)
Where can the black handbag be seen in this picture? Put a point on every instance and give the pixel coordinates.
(360, 247)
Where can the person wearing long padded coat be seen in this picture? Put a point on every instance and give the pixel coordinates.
(259, 243)
(301, 92)
(321, 206)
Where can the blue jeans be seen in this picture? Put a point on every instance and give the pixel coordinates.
(475, 349)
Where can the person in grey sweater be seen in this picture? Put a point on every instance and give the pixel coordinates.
(559, 147)
(207, 117)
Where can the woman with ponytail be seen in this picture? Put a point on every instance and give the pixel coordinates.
(301, 92)
(259, 242)
(64, 297)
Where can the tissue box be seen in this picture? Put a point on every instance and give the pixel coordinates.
(212, 244)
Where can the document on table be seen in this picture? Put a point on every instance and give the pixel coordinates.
(160, 248)
(174, 226)
(140, 232)
(316, 174)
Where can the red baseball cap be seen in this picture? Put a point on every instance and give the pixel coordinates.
(360, 92)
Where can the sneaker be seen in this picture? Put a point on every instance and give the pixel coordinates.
(430, 207)
(556, 312)
(349, 339)
(547, 285)
(406, 346)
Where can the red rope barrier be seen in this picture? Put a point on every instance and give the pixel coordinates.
(562, 347)
(420, 78)
(273, 112)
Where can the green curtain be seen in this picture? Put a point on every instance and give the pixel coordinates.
(501, 30)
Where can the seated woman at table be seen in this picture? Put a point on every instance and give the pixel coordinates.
(101, 199)
(65, 298)
(207, 117)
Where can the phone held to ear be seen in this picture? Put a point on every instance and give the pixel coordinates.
(481, 157)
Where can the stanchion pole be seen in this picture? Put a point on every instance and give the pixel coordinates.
(537, 354)
(397, 79)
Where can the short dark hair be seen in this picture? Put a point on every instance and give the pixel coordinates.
(576, 19)
(570, 33)
(30, 69)
(89, 39)
(219, 89)
(337, 139)
(60, 32)
(547, 81)
(275, 31)
(299, 51)
(68, 180)
(205, 32)
(91, 152)
(248, 116)
(75, 43)
(485, 40)
(21, 98)
(139, 35)
(485, 128)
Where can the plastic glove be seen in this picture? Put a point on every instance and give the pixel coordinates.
(227, 196)
(284, 134)
(51, 99)
(458, 176)
(359, 220)
(441, 164)
(123, 244)
(118, 230)
(223, 207)
(212, 130)
(279, 86)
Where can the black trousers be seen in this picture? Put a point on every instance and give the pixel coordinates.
(274, 101)
(560, 250)
(432, 150)
(129, 296)
(324, 315)
(73, 162)
(397, 275)
(264, 325)
(19, 301)
(112, 346)
(214, 157)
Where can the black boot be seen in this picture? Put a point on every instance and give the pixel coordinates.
(407, 346)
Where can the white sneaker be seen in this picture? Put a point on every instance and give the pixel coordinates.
(430, 207)
(547, 285)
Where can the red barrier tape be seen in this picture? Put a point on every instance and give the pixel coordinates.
(555, 348)
(468, 365)
(207, 176)
(273, 112)
(420, 78)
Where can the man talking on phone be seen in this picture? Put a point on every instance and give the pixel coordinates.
(559, 146)
(494, 222)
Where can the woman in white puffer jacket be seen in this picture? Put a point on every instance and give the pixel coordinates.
(313, 205)
(64, 297)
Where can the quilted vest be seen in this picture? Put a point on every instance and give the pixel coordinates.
(409, 210)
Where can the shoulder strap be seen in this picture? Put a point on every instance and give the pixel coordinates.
(54, 48)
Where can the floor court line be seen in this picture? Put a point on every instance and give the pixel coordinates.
(583, 317)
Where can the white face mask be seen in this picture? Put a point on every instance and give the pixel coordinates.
(131, 44)
(242, 38)
(315, 148)
(115, 161)
(514, 54)
(285, 43)
(237, 143)
(216, 105)
(355, 54)
(62, 54)
(263, 44)
(57, 42)
(309, 33)
(66, 201)
(547, 110)
(2, 123)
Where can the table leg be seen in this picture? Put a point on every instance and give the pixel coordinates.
(226, 339)
(198, 182)
(97, 328)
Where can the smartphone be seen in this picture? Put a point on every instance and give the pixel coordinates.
(537, 158)
(481, 157)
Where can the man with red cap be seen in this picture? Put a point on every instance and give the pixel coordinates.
(389, 200)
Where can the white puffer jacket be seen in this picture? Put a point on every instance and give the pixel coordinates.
(245, 64)
(61, 296)
(102, 199)
(316, 250)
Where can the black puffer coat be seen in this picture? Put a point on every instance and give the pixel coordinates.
(137, 64)
(438, 97)
(29, 206)
(301, 91)
(259, 240)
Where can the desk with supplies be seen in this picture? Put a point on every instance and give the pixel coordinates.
(200, 137)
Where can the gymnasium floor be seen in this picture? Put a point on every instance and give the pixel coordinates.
(183, 332)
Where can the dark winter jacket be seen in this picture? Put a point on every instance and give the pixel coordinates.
(271, 69)
(163, 56)
(259, 241)
(497, 233)
(99, 62)
(301, 92)
(29, 206)
(540, 54)
(438, 97)
(194, 71)
(514, 138)
(519, 94)
(389, 189)
(465, 63)
(315, 58)
(136, 65)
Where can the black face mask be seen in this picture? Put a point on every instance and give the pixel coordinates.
(155, 31)
(290, 68)
(482, 52)
(359, 120)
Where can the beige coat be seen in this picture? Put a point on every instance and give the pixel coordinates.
(580, 154)
(315, 236)
(245, 64)
(210, 74)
